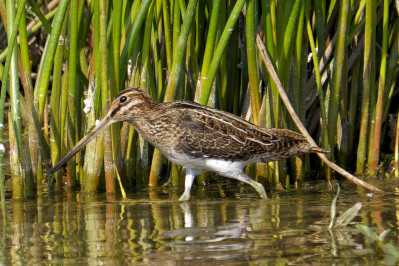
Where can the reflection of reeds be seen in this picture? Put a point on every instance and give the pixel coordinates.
(202, 51)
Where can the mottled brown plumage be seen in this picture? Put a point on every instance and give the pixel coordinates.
(199, 137)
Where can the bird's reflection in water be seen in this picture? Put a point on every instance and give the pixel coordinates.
(194, 238)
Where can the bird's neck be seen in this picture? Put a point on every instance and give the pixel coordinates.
(149, 123)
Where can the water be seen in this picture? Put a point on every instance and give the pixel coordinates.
(213, 228)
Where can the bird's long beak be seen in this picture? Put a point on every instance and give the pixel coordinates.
(83, 142)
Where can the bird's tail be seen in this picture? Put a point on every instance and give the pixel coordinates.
(303, 148)
(318, 150)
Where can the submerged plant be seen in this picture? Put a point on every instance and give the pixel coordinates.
(377, 241)
(345, 218)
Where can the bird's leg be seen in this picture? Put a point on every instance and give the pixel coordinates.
(246, 179)
(190, 176)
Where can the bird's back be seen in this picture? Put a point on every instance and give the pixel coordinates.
(203, 132)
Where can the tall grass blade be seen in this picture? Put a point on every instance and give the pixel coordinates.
(227, 32)
(368, 86)
(4, 85)
(56, 109)
(209, 47)
(252, 59)
(340, 59)
(132, 37)
(318, 82)
(44, 73)
(73, 109)
(17, 174)
(15, 155)
(381, 91)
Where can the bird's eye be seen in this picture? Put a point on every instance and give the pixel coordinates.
(122, 99)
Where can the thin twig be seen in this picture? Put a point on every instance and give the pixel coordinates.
(298, 122)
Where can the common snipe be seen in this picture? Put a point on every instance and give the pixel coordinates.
(199, 138)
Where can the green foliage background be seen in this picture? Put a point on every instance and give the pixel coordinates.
(337, 60)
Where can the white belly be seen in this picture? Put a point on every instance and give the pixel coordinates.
(208, 164)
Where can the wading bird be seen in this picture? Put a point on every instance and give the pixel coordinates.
(200, 138)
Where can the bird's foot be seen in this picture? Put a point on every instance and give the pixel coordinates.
(259, 188)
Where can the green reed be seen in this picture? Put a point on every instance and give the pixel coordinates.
(339, 81)
(12, 36)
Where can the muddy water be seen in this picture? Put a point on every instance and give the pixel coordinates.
(221, 225)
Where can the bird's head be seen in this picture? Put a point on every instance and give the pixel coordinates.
(129, 105)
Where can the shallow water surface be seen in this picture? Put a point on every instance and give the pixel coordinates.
(211, 229)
